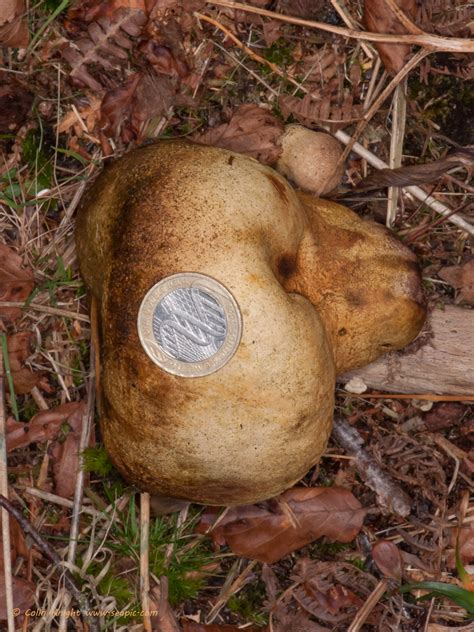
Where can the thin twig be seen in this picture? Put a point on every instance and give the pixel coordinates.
(389, 494)
(52, 555)
(426, 40)
(7, 561)
(144, 559)
(46, 309)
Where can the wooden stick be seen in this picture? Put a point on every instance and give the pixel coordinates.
(369, 605)
(144, 559)
(438, 362)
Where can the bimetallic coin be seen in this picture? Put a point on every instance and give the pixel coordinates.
(189, 324)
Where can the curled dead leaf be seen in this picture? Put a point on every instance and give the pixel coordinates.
(380, 17)
(65, 455)
(301, 515)
(19, 349)
(252, 130)
(16, 282)
(43, 426)
(417, 174)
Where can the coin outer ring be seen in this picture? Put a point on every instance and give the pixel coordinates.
(153, 349)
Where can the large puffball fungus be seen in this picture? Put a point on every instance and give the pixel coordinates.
(310, 159)
(318, 291)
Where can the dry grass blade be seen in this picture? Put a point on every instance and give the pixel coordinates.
(396, 147)
(79, 488)
(5, 516)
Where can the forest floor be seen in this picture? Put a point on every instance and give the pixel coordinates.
(83, 83)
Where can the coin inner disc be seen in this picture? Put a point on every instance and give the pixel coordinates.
(189, 324)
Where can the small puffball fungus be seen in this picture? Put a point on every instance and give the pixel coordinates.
(227, 303)
(309, 159)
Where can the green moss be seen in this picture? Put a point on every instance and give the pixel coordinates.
(97, 460)
(248, 603)
(449, 102)
(323, 548)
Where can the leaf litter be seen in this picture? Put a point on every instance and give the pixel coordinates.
(133, 71)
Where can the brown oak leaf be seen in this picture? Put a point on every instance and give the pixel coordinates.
(269, 531)
(13, 24)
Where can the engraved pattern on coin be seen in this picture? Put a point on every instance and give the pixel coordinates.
(189, 324)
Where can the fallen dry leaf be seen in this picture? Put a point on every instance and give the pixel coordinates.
(299, 516)
(165, 620)
(15, 103)
(379, 17)
(329, 109)
(388, 559)
(417, 174)
(444, 415)
(251, 130)
(301, 8)
(18, 547)
(191, 626)
(163, 60)
(23, 595)
(331, 591)
(462, 278)
(13, 24)
(44, 426)
(106, 40)
(65, 455)
(116, 107)
(19, 349)
(128, 108)
(16, 282)
(466, 543)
